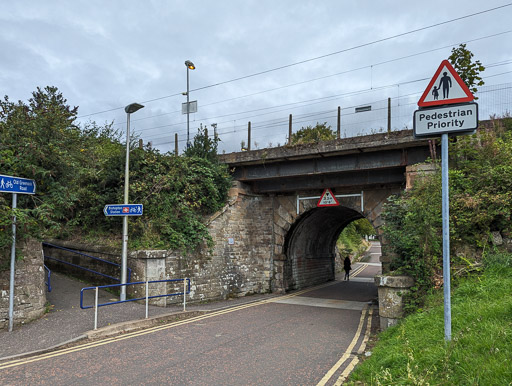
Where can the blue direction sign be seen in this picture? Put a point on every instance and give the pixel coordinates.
(123, 210)
(20, 185)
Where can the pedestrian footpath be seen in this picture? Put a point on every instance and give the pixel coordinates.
(65, 322)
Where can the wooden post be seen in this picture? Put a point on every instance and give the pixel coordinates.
(141, 143)
(176, 144)
(338, 133)
(290, 130)
(389, 115)
(249, 136)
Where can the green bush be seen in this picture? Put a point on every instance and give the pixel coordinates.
(78, 170)
(480, 203)
(351, 239)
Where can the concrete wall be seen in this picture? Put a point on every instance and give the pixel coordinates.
(29, 285)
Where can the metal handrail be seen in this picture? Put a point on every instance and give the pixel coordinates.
(48, 277)
(89, 256)
(186, 290)
(134, 299)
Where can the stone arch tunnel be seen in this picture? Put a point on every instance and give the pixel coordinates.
(310, 246)
(303, 237)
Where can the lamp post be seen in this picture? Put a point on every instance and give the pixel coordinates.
(131, 108)
(190, 66)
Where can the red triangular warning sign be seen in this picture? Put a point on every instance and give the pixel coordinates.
(327, 199)
(446, 87)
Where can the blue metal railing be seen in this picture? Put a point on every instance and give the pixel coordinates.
(48, 277)
(132, 300)
(84, 268)
(186, 290)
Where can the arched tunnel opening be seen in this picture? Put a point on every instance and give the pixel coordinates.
(310, 246)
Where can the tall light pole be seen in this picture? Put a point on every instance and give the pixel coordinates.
(131, 108)
(190, 66)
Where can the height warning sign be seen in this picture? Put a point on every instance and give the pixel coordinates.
(327, 199)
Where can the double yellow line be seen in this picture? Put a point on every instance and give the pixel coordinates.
(348, 354)
(85, 346)
(359, 269)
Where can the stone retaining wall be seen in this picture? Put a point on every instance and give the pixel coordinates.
(29, 286)
(239, 263)
(106, 253)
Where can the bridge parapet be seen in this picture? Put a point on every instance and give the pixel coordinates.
(354, 145)
(345, 164)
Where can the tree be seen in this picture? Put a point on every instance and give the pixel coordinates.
(40, 141)
(203, 146)
(80, 169)
(320, 132)
(461, 60)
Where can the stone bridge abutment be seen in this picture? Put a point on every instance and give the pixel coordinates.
(303, 237)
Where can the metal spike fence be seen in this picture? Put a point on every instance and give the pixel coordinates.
(374, 117)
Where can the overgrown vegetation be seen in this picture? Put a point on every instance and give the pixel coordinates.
(415, 353)
(80, 169)
(480, 200)
(313, 134)
(480, 204)
(351, 240)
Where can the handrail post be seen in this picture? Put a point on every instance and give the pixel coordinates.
(96, 309)
(147, 298)
(184, 294)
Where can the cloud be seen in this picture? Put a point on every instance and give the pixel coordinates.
(104, 55)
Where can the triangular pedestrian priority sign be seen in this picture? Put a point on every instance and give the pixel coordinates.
(327, 199)
(446, 87)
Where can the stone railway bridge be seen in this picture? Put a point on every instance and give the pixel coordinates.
(274, 225)
(270, 236)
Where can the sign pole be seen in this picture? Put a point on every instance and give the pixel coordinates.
(446, 239)
(13, 259)
(124, 253)
(452, 113)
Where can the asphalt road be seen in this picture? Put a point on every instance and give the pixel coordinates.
(308, 337)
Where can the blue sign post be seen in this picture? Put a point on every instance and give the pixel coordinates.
(14, 185)
(123, 210)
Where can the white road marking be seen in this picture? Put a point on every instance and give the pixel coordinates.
(326, 303)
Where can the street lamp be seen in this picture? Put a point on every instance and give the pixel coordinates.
(190, 66)
(131, 108)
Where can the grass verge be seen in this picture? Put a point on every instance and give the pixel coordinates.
(480, 352)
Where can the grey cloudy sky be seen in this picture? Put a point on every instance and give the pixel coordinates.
(103, 55)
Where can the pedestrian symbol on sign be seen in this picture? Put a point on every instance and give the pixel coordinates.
(450, 84)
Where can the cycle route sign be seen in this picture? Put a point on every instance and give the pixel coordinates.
(123, 210)
(10, 184)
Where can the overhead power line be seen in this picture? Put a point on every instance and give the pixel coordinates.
(319, 57)
(331, 75)
(292, 105)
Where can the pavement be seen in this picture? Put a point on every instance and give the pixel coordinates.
(66, 323)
